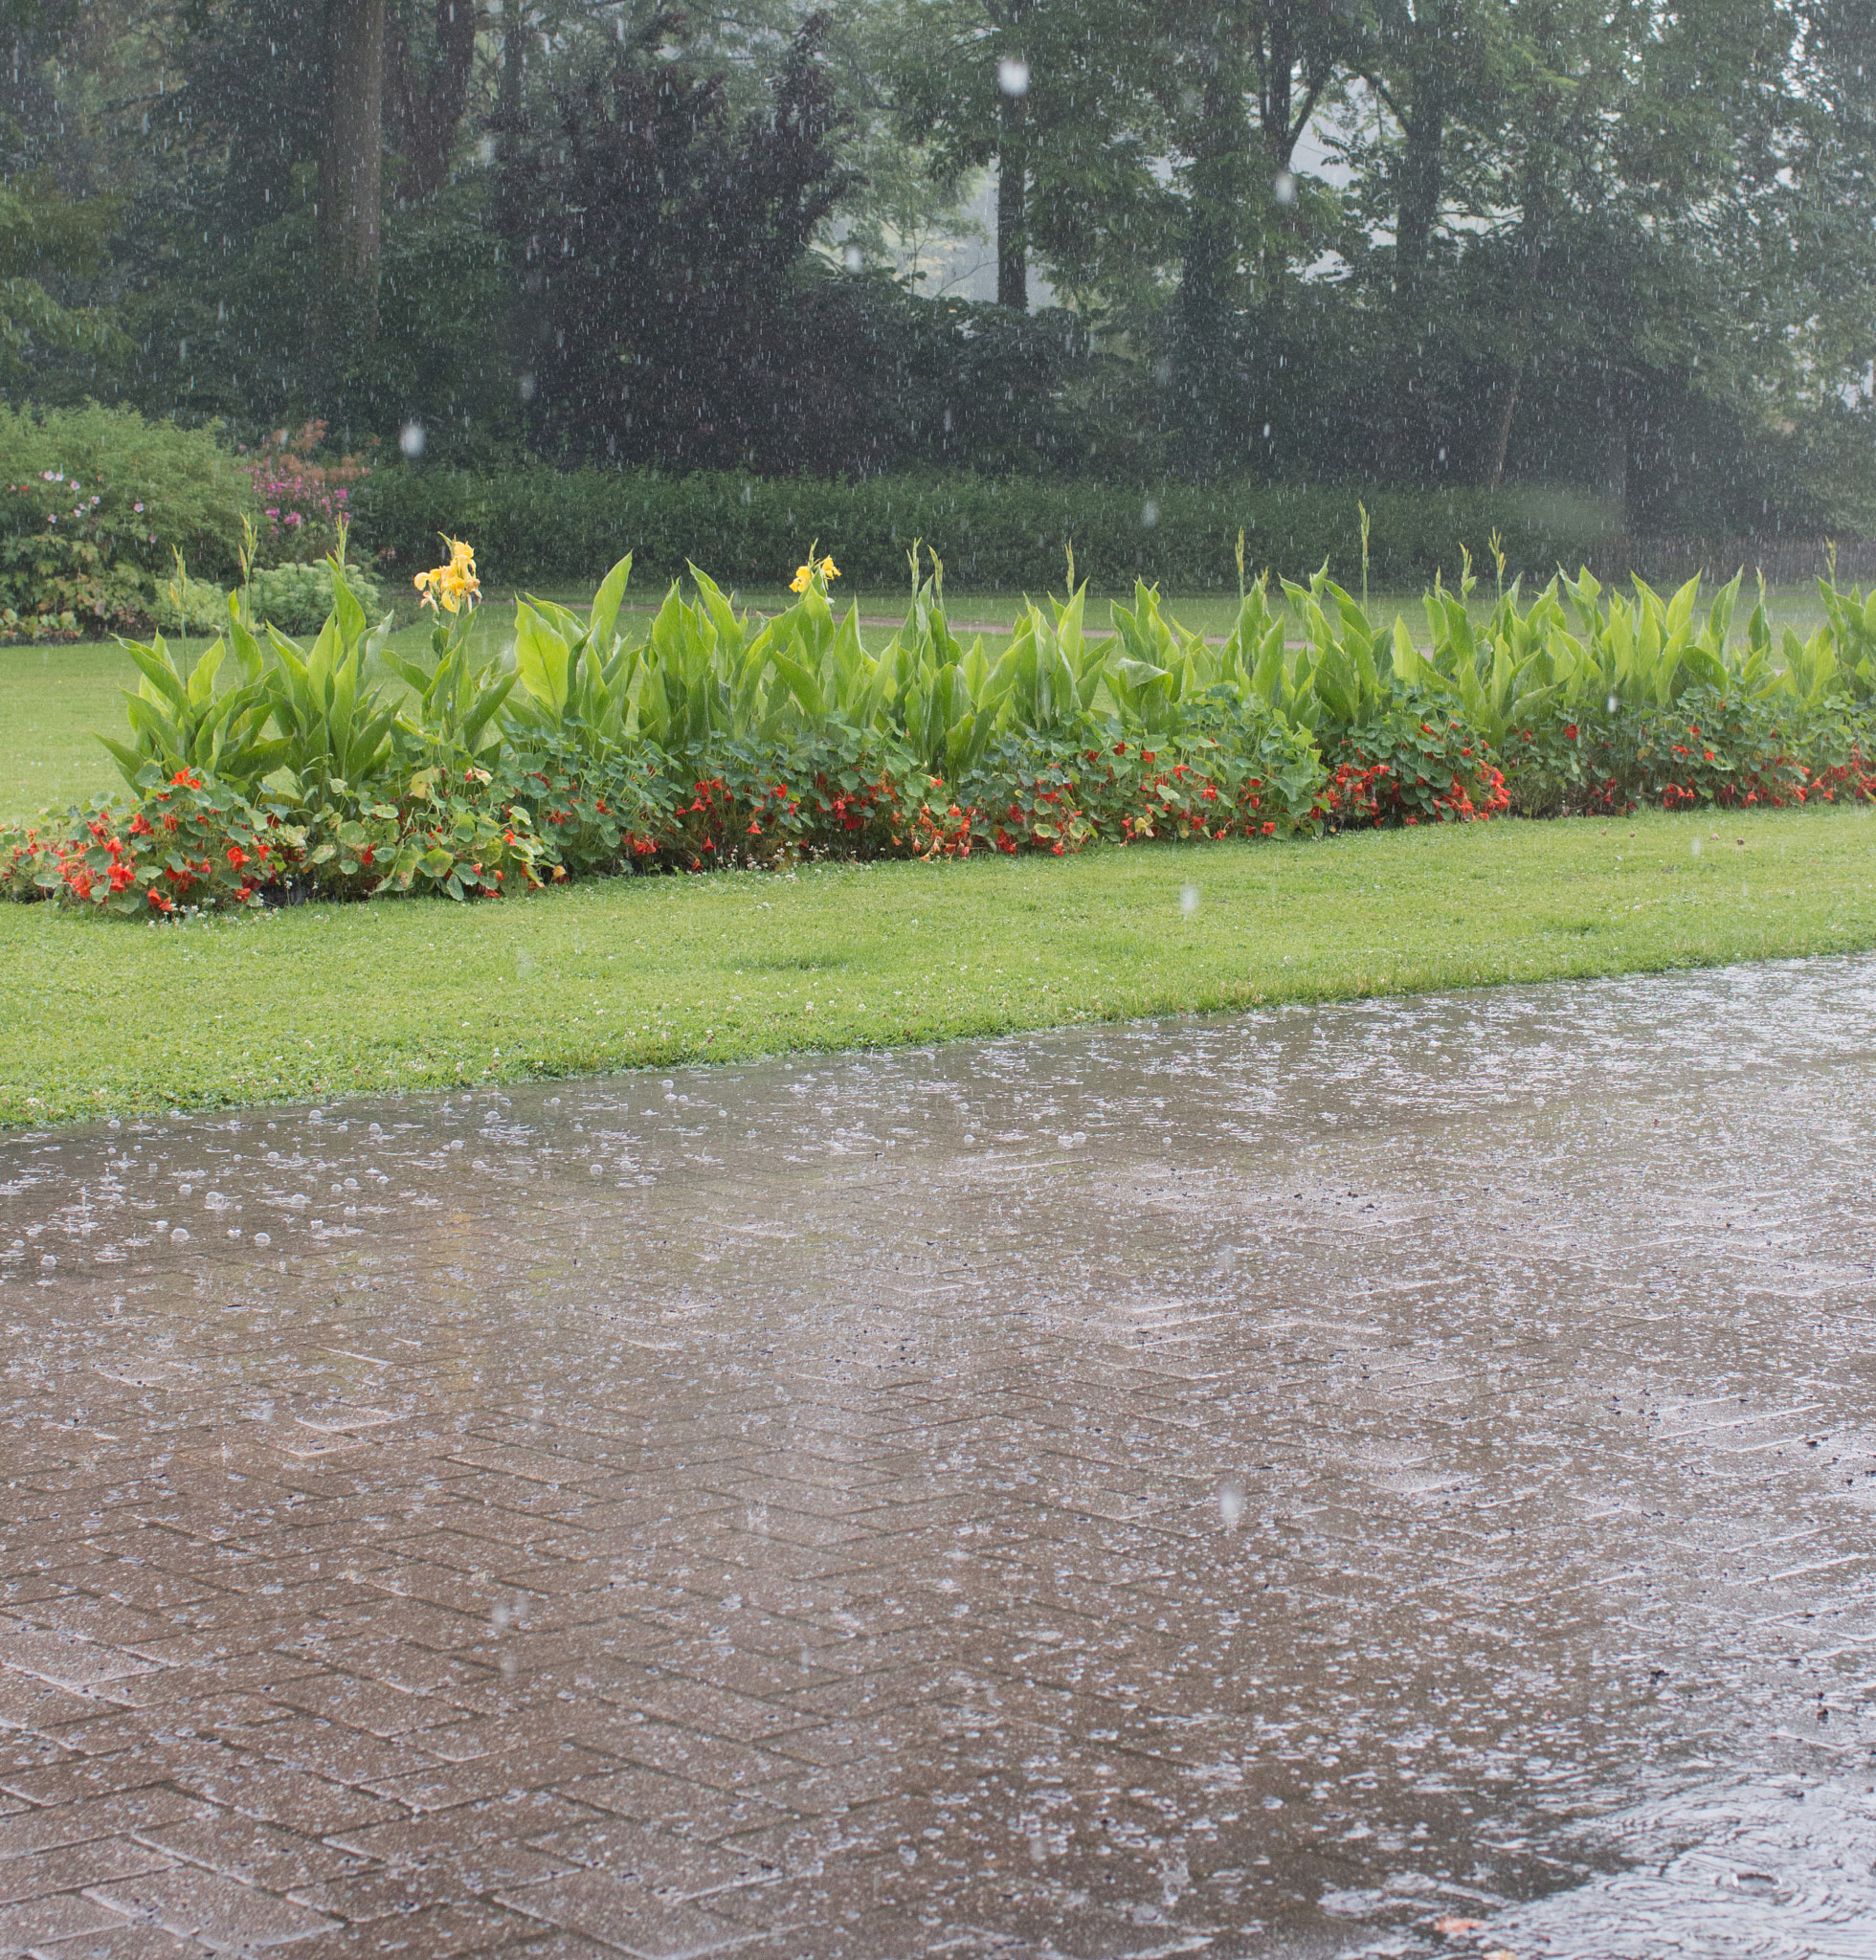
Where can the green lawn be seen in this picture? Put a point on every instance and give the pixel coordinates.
(326, 1001)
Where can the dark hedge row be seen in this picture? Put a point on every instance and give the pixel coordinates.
(543, 525)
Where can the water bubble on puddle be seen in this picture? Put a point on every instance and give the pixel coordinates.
(162, 1224)
(180, 1236)
(597, 1170)
(1188, 899)
(262, 1238)
(1231, 1505)
(185, 1190)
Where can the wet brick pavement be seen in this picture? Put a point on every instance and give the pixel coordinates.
(1265, 1485)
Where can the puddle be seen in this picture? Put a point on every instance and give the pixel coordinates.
(1270, 1485)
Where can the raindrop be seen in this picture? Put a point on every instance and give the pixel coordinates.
(1694, 847)
(526, 387)
(1267, 431)
(1013, 75)
(1148, 514)
(852, 258)
(486, 151)
(1284, 188)
(409, 440)
(1188, 899)
(1612, 703)
(1231, 1505)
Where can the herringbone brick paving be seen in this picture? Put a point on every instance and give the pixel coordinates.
(1158, 1490)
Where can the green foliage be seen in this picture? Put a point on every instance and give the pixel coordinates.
(184, 844)
(297, 598)
(338, 735)
(536, 524)
(723, 739)
(160, 488)
(182, 722)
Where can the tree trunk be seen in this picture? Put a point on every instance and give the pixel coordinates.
(1012, 203)
(1616, 470)
(351, 170)
(423, 121)
(514, 70)
(1418, 206)
(1501, 435)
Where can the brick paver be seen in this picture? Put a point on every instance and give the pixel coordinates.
(1134, 1492)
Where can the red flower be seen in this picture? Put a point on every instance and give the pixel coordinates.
(237, 857)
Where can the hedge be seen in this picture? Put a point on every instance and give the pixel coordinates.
(542, 525)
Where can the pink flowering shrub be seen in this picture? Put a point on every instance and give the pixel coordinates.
(303, 501)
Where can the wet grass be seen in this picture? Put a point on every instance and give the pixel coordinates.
(328, 1001)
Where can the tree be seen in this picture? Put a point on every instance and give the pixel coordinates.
(658, 239)
(351, 171)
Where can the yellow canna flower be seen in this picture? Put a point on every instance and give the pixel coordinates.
(452, 585)
(804, 577)
(829, 569)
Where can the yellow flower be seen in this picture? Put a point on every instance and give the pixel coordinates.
(806, 574)
(452, 585)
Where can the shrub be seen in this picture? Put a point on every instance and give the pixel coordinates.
(181, 843)
(540, 524)
(1415, 764)
(297, 598)
(304, 501)
(93, 504)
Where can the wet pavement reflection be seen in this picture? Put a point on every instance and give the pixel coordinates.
(1392, 1479)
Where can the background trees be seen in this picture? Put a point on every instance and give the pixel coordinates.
(1624, 249)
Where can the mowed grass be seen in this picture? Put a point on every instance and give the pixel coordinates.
(326, 1001)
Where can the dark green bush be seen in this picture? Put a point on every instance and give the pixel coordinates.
(542, 525)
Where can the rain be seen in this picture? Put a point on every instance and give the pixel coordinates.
(878, 1077)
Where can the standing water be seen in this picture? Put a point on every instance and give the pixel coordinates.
(1391, 1479)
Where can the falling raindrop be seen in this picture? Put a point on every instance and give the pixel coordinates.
(526, 387)
(1612, 703)
(1231, 1505)
(1013, 75)
(1148, 514)
(1188, 899)
(1282, 187)
(852, 258)
(411, 439)
(1694, 847)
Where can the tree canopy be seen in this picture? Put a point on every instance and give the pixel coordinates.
(1613, 245)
